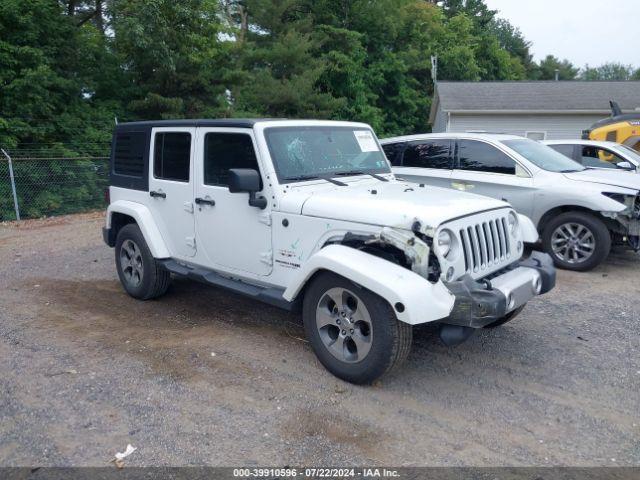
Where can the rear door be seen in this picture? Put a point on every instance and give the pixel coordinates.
(484, 169)
(171, 188)
(427, 161)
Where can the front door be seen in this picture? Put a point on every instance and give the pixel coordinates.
(171, 188)
(483, 169)
(231, 234)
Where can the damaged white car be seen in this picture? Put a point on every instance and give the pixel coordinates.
(580, 212)
(308, 215)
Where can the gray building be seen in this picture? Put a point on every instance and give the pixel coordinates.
(538, 110)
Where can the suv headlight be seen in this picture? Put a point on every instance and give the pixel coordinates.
(445, 241)
(512, 220)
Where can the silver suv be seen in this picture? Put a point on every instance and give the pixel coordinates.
(578, 211)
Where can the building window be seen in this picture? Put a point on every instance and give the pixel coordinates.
(536, 135)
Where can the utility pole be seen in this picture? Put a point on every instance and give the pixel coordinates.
(434, 68)
(13, 184)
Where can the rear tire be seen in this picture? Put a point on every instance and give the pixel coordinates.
(354, 332)
(140, 274)
(507, 318)
(576, 241)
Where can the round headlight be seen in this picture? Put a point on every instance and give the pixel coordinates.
(512, 219)
(444, 242)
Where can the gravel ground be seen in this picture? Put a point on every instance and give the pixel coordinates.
(205, 377)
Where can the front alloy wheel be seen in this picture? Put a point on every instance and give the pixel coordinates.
(354, 332)
(344, 325)
(576, 240)
(573, 243)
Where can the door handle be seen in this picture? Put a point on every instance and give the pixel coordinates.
(158, 194)
(205, 201)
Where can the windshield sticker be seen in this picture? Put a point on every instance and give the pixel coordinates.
(366, 141)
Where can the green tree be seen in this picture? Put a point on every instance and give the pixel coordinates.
(174, 63)
(551, 65)
(607, 71)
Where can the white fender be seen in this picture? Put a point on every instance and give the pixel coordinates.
(423, 301)
(529, 232)
(144, 219)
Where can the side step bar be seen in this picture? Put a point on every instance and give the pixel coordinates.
(270, 295)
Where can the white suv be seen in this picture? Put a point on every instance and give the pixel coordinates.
(578, 211)
(307, 215)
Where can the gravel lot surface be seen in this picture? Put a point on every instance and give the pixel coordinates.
(205, 377)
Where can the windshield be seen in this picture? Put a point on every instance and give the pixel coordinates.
(306, 153)
(544, 157)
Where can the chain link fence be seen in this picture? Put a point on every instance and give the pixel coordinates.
(52, 180)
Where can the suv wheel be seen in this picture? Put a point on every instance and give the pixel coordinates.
(140, 274)
(354, 332)
(577, 241)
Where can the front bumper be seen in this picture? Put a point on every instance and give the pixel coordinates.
(480, 303)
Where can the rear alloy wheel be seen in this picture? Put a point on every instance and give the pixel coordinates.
(141, 275)
(354, 332)
(577, 241)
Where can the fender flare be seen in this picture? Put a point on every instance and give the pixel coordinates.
(422, 300)
(147, 225)
(529, 232)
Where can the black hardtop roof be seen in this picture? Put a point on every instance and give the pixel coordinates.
(203, 122)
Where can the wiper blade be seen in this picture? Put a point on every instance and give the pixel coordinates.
(356, 172)
(302, 178)
(571, 171)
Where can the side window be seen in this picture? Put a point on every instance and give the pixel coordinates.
(566, 150)
(392, 151)
(428, 154)
(128, 155)
(599, 158)
(481, 157)
(223, 151)
(171, 156)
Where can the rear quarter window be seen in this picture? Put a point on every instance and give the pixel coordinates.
(128, 155)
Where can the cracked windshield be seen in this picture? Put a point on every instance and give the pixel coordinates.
(308, 153)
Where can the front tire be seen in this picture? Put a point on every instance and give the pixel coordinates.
(354, 333)
(577, 241)
(140, 274)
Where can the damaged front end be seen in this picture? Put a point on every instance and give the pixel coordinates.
(626, 223)
(411, 249)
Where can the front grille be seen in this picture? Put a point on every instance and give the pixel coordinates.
(485, 244)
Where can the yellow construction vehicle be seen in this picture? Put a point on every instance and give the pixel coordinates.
(619, 127)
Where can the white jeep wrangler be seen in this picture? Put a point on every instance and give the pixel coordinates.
(307, 214)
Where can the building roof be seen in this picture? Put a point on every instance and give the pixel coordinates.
(535, 97)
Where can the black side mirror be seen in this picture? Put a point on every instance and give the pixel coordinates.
(247, 180)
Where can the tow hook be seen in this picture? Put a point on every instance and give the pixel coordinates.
(453, 335)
